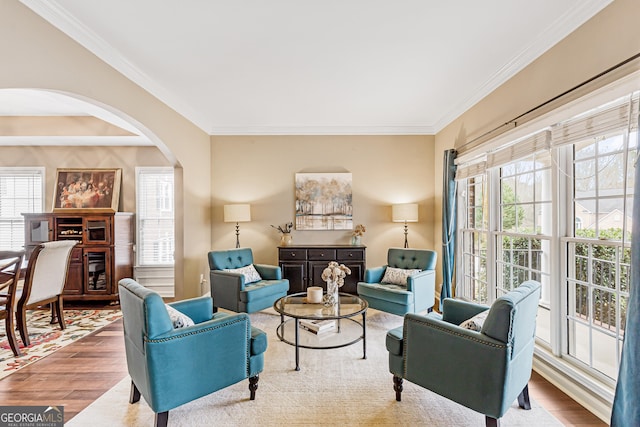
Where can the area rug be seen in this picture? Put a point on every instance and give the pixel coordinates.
(333, 387)
(46, 338)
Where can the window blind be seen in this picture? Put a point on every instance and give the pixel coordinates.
(618, 115)
(21, 191)
(155, 216)
(519, 149)
(467, 170)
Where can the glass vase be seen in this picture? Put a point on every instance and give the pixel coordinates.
(331, 297)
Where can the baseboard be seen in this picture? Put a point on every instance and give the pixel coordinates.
(596, 397)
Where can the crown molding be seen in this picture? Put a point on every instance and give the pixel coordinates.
(321, 130)
(76, 141)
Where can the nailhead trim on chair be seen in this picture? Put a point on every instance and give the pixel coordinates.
(199, 331)
(430, 325)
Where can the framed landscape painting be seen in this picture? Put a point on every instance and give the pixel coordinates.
(93, 189)
(324, 201)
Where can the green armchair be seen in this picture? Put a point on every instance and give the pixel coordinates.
(484, 370)
(239, 285)
(170, 366)
(406, 284)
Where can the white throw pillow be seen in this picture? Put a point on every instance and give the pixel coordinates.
(398, 276)
(249, 272)
(178, 318)
(476, 322)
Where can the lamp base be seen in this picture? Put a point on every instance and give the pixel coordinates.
(406, 232)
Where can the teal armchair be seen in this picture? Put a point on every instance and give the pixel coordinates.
(416, 294)
(484, 370)
(242, 293)
(172, 366)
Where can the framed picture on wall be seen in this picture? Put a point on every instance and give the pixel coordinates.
(324, 201)
(93, 189)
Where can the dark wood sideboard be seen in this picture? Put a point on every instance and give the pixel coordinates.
(104, 253)
(303, 265)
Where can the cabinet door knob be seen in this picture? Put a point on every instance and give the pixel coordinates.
(350, 255)
(293, 254)
(321, 255)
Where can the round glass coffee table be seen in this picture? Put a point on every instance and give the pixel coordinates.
(344, 328)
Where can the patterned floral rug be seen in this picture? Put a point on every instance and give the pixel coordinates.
(46, 338)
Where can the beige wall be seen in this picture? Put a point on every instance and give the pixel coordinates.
(36, 55)
(261, 171)
(609, 38)
(51, 158)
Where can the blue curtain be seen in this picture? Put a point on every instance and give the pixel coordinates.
(626, 404)
(448, 222)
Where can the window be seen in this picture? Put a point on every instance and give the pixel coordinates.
(155, 216)
(21, 191)
(557, 208)
(523, 242)
(598, 252)
(473, 232)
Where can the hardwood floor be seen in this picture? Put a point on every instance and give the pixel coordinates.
(561, 406)
(79, 373)
(73, 376)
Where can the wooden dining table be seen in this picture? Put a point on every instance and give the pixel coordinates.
(9, 282)
(6, 275)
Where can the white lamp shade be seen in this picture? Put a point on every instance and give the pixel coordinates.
(407, 212)
(237, 213)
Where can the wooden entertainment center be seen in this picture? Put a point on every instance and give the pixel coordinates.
(104, 253)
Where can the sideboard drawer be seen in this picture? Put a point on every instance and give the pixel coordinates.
(351, 254)
(322, 254)
(292, 254)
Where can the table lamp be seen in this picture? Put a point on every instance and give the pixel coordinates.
(237, 213)
(406, 212)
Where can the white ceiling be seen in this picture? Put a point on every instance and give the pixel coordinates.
(317, 67)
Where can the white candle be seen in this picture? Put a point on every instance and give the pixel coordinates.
(314, 294)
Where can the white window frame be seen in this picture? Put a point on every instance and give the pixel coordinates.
(468, 280)
(37, 207)
(163, 207)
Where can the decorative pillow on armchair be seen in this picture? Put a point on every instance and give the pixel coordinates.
(398, 276)
(178, 318)
(249, 272)
(476, 322)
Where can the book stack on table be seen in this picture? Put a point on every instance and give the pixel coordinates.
(318, 326)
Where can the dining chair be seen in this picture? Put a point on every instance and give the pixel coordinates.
(44, 282)
(10, 265)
